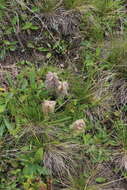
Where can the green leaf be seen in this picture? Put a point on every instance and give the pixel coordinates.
(48, 55)
(30, 45)
(2, 108)
(14, 42)
(100, 180)
(2, 7)
(43, 49)
(12, 48)
(44, 171)
(30, 170)
(87, 139)
(24, 86)
(8, 125)
(34, 27)
(2, 129)
(35, 9)
(39, 154)
(27, 25)
(24, 16)
(2, 4)
(6, 42)
(25, 148)
(9, 30)
(2, 53)
(32, 78)
(14, 20)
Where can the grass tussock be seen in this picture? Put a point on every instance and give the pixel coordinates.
(63, 94)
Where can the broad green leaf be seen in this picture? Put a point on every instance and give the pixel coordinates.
(39, 154)
(2, 108)
(6, 42)
(27, 25)
(100, 180)
(8, 125)
(2, 4)
(30, 170)
(34, 27)
(43, 49)
(12, 48)
(14, 42)
(2, 7)
(35, 9)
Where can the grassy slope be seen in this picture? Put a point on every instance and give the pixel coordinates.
(38, 151)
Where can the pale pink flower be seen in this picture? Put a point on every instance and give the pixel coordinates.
(51, 81)
(48, 107)
(62, 88)
(79, 125)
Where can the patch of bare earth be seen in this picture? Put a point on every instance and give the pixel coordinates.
(58, 33)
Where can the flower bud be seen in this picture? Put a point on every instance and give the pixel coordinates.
(48, 107)
(62, 88)
(51, 81)
(78, 125)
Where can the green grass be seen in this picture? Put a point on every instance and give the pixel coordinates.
(35, 147)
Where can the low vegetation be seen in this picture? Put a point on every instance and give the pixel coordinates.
(63, 94)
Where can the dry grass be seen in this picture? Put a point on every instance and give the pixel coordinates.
(59, 160)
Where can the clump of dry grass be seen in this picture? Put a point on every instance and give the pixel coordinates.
(124, 162)
(63, 22)
(109, 95)
(120, 92)
(102, 97)
(60, 160)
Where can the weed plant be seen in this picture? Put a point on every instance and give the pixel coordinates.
(46, 149)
